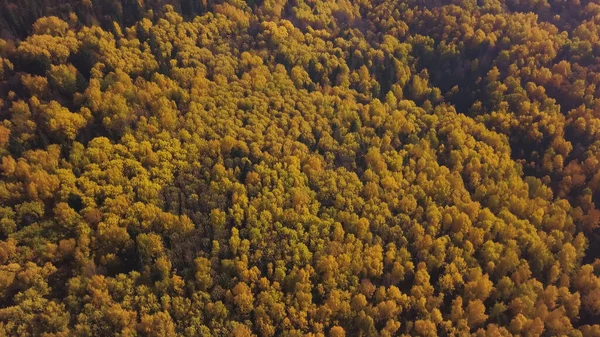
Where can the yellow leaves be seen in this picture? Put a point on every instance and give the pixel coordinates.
(480, 288)
(475, 313)
(64, 78)
(419, 86)
(61, 121)
(157, 325)
(166, 113)
(7, 277)
(373, 261)
(267, 165)
(202, 274)
(36, 85)
(5, 67)
(230, 145)
(94, 94)
(562, 68)
(273, 32)
(361, 229)
(524, 326)
(66, 216)
(337, 331)
(50, 25)
(557, 322)
(567, 257)
(143, 27)
(425, 328)
(42, 186)
(217, 219)
(300, 77)
(375, 160)
(387, 310)
(243, 298)
(299, 198)
(48, 49)
(112, 237)
(397, 122)
(4, 136)
(242, 330)
(23, 125)
(234, 14)
(163, 266)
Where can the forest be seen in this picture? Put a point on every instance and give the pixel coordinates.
(321, 168)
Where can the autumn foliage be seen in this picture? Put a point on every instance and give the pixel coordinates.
(306, 168)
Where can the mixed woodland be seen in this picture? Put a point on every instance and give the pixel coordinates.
(299, 168)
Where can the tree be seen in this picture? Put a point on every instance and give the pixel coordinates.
(243, 298)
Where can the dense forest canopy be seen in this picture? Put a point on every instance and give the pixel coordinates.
(300, 168)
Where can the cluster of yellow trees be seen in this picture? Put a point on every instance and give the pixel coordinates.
(306, 168)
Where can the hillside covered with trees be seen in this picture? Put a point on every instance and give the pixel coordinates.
(300, 168)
